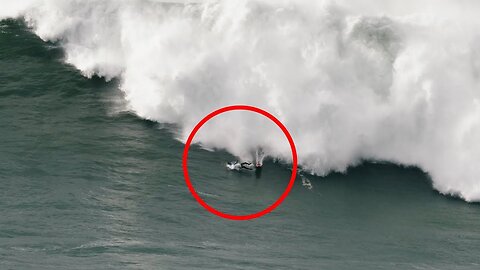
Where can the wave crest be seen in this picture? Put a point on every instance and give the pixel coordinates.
(351, 81)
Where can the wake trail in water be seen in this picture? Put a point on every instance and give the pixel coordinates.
(351, 80)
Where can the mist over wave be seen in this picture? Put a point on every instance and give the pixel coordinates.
(352, 80)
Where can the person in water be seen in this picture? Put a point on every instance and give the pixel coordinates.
(246, 165)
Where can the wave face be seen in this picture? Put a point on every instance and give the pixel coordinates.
(357, 80)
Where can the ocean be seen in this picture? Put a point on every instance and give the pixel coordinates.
(90, 182)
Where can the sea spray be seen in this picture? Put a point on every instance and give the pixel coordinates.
(351, 80)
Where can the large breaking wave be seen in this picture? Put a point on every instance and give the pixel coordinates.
(352, 80)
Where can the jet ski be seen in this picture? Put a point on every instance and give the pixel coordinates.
(238, 166)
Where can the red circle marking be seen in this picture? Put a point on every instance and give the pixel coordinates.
(189, 142)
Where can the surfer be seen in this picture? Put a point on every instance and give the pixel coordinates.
(235, 165)
(246, 165)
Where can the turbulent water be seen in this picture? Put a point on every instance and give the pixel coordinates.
(90, 169)
(370, 80)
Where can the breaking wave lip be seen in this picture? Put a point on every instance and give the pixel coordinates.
(351, 80)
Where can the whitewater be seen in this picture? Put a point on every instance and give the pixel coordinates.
(394, 81)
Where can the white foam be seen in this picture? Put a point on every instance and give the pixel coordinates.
(352, 80)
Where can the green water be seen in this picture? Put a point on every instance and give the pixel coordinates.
(86, 185)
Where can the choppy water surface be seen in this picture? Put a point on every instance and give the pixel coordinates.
(85, 185)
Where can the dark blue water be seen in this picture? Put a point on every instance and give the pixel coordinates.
(87, 185)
